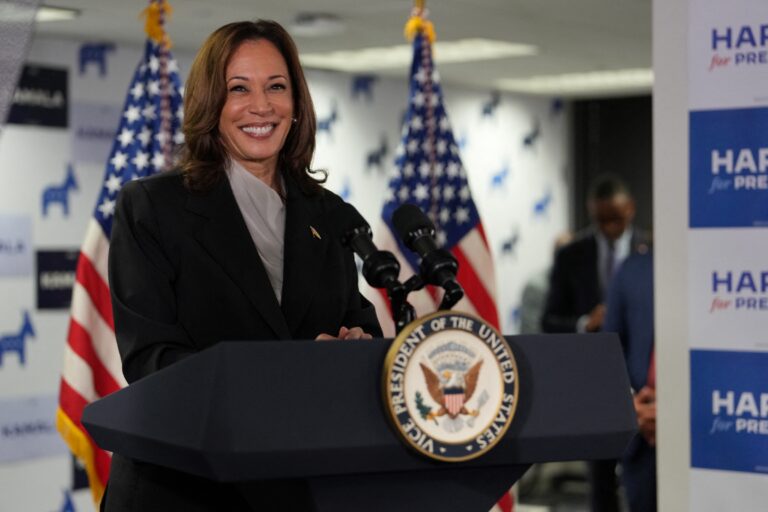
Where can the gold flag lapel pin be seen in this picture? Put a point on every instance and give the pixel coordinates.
(315, 233)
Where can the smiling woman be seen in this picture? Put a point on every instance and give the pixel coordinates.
(258, 112)
(241, 74)
(235, 245)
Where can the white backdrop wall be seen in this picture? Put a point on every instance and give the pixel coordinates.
(515, 149)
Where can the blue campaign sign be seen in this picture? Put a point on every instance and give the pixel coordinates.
(729, 410)
(729, 168)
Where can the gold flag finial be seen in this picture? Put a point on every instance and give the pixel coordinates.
(154, 24)
(418, 22)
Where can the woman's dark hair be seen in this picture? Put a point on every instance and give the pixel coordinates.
(204, 157)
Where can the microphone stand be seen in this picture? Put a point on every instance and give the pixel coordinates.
(404, 313)
(402, 310)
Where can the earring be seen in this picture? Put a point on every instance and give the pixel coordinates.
(294, 120)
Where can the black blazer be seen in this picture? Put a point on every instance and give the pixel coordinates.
(574, 285)
(184, 275)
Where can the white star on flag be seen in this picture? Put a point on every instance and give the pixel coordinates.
(107, 208)
(148, 112)
(421, 193)
(154, 64)
(125, 137)
(132, 114)
(145, 136)
(141, 160)
(158, 160)
(153, 88)
(113, 184)
(138, 91)
(119, 160)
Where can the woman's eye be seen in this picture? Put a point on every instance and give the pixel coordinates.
(279, 87)
(237, 88)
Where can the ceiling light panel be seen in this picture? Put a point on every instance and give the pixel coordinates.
(615, 81)
(390, 57)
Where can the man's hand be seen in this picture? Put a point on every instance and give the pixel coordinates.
(596, 317)
(645, 408)
(355, 333)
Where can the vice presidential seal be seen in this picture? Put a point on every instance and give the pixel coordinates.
(450, 386)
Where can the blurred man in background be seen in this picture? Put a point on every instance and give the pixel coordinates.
(578, 286)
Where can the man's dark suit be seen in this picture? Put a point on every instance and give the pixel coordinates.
(185, 274)
(574, 285)
(630, 314)
(574, 291)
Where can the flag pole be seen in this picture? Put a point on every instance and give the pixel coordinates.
(154, 26)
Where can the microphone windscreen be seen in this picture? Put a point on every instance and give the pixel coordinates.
(409, 218)
(346, 219)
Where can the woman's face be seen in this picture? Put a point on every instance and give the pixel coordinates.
(258, 112)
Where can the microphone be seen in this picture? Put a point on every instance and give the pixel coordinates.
(380, 268)
(438, 267)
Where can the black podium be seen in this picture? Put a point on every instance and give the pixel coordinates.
(250, 411)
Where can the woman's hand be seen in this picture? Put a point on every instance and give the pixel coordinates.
(355, 333)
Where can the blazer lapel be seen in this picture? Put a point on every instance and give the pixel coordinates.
(306, 243)
(227, 239)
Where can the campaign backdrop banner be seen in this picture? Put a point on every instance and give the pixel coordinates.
(727, 241)
(728, 53)
(41, 98)
(729, 410)
(15, 245)
(55, 278)
(729, 168)
(93, 131)
(727, 290)
(28, 429)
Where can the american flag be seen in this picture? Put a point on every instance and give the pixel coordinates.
(430, 175)
(149, 129)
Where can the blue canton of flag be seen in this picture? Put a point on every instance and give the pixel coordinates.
(430, 175)
(149, 129)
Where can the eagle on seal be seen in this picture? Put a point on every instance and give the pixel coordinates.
(451, 390)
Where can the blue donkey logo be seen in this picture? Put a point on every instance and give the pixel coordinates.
(95, 53)
(60, 193)
(375, 158)
(325, 124)
(17, 342)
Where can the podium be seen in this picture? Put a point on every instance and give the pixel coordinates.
(245, 411)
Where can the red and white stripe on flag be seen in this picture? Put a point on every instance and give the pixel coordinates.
(91, 367)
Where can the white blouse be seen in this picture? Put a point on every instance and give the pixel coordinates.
(264, 213)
